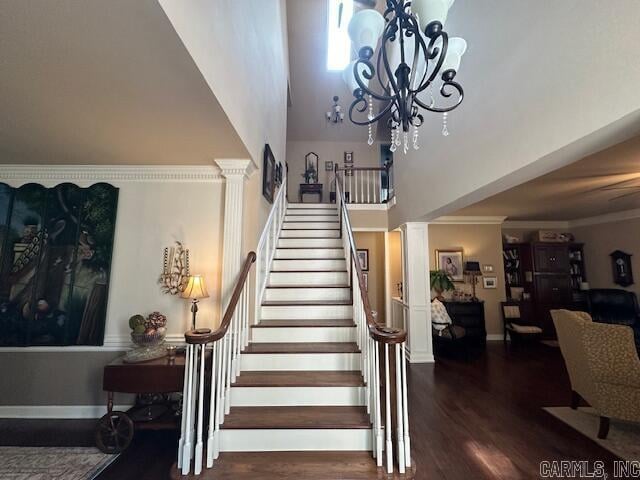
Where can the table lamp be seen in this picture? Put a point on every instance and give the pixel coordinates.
(195, 290)
(472, 272)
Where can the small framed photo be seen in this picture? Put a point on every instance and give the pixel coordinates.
(328, 166)
(363, 258)
(487, 268)
(365, 276)
(452, 263)
(490, 282)
(348, 158)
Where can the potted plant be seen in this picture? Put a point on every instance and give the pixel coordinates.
(441, 282)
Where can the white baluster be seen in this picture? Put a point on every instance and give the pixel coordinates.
(399, 413)
(186, 410)
(223, 372)
(407, 441)
(227, 392)
(194, 398)
(185, 398)
(387, 421)
(213, 400)
(219, 399)
(197, 467)
(378, 417)
(368, 186)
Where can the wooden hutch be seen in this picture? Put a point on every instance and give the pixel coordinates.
(549, 276)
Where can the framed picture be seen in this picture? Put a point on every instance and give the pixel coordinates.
(365, 276)
(348, 158)
(363, 258)
(278, 174)
(452, 263)
(487, 268)
(490, 282)
(268, 174)
(311, 168)
(348, 172)
(328, 166)
(621, 264)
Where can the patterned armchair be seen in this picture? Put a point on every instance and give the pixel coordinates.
(603, 366)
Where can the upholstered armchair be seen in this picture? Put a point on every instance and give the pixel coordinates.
(603, 366)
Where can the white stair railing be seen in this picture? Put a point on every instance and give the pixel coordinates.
(268, 243)
(365, 185)
(224, 346)
(383, 360)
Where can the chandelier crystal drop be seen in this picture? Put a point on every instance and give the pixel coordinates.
(415, 61)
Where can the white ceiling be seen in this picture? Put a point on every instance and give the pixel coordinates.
(602, 183)
(103, 82)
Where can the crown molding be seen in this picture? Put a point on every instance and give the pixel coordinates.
(108, 173)
(235, 167)
(469, 220)
(525, 224)
(607, 218)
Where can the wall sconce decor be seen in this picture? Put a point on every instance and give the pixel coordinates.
(175, 270)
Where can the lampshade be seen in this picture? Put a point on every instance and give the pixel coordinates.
(395, 57)
(431, 11)
(195, 288)
(365, 29)
(350, 80)
(455, 49)
(472, 268)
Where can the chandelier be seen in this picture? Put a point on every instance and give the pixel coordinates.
(336, 115)
(415, 63)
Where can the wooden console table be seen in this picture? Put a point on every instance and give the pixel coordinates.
(310, 188)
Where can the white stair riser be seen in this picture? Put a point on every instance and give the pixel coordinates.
(275, 440)
(309, 265)
(310, 225)
(309, 253)
(310, 233)
(303, 334)
(307, 294)
(323, 206)
(297, 396)
(310, 243)
(313, 312)
(312, 211)
(299, 361)
(312, 217)
(302, 279)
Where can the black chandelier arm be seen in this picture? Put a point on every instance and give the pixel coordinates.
(456, 86)
(380, 114)
(442, 52)
(364, 90)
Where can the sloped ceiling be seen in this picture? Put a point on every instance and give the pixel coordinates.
(103, 82)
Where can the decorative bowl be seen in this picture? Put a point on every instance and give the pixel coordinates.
(149, 339)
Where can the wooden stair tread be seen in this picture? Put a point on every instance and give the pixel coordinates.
(307, 271)
(304, 303)
(304, 323)
(310, 347)
(308, 286)
(296, 417)
(312, 259)
(297, 378)
(320, 465)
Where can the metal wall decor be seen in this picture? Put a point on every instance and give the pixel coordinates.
(622, 271)
(416, 61)
(175, 270)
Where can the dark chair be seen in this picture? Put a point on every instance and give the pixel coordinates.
(617, 307)
(518, 324)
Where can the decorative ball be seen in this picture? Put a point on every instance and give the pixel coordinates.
(156, 320)
(135, 321)
(139, 329)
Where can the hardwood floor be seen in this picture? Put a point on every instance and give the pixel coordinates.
(477, 419)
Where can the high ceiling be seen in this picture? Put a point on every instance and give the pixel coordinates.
(103, 82)
(312, 85)
(605, 182)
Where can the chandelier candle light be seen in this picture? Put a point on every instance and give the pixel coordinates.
(416, 57)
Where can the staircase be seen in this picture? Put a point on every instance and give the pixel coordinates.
(300, 387)
(312, 376)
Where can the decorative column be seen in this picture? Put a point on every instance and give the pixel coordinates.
(235, 172)
(417, 291)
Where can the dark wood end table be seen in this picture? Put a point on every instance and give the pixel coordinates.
(312, 188)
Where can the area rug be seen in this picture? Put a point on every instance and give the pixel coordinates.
(623, 439)
(52, 463)
(551, 343)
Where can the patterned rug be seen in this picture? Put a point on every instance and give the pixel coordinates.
(623, 439)
(52, 463)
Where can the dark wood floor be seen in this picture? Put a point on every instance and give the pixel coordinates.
(477, 419)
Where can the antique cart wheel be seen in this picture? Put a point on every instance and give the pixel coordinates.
(114, 432)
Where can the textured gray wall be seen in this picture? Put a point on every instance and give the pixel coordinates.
(54, 378)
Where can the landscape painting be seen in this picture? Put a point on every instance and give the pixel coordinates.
(55, 260)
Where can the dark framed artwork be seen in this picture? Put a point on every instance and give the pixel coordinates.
(622, 272)
(328, 166)
(451, 261)
(278, 174)
(268, 174)
(363, 258)
(55, 260)
(348, 158)
(311, 167)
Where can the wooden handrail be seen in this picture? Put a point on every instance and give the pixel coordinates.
(380, 333)
(205, 335)
(362, 169)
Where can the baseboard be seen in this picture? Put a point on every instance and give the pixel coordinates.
(495, 337)
(57, 411)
